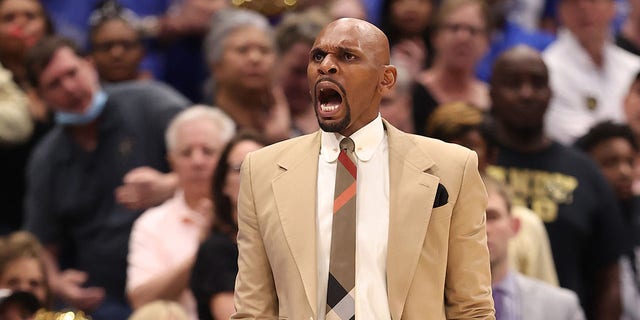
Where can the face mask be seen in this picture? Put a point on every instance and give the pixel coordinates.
(94, 110)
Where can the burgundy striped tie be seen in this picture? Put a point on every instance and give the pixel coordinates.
(342, 264)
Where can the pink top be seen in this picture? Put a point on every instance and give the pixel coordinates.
(161, 239)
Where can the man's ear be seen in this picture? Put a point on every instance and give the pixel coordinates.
(389, 76)
(515, 225)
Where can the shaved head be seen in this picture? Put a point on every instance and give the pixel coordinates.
(516, 55)
(370, 38)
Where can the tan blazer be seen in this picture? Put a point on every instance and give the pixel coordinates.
(437, 263)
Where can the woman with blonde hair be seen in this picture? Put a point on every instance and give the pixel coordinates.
(22, 266)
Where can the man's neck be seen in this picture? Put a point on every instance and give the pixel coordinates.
(499, 272)
(86, 135)
(194, 195)
(243, 107)
(520, 140)
(594, 47)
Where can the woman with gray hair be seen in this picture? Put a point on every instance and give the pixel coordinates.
(164, 239)
(241, 54)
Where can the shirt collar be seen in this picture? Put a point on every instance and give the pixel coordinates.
(366, 140)
(186, 214)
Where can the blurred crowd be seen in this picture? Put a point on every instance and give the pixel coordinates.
(124, 123)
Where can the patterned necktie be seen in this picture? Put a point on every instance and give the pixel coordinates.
(342, 264)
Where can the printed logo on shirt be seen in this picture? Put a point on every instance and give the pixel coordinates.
(540, 191)
(125, 148)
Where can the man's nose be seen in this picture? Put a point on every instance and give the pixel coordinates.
(526, 90)
(117, 50)
(328, 66)
(68, 83)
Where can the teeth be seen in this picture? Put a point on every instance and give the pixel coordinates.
(327, 108)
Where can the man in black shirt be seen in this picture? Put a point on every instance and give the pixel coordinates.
(101, 134)
(563, 186)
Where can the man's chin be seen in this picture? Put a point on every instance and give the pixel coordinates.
(333, 125)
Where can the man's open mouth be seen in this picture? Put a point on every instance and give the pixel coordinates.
(329, 99)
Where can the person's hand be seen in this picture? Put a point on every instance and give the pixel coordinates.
(145, 187)
(192, 16)
(411, 55)
(37, 107)
(68, 287)
(276, 123)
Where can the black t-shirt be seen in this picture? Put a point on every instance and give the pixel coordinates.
(583, 220)
(423, 105)
(631, 216)
(214, 271)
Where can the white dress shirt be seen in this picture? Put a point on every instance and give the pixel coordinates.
(582, 92)
(372, 218)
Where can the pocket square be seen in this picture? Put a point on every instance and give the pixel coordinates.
(442, 196)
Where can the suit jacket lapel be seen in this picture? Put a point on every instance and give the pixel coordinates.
(295, 194)
(408, 184)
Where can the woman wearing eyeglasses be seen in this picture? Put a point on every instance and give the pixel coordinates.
(460, 40)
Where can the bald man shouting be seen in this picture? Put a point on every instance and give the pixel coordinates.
(360, 220)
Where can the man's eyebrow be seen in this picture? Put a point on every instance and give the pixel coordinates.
(315, 51)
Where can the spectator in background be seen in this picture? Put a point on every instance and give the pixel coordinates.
(396, 104)
(115, 45)
(517, 296)
(173, 31)
(589, 75)
(22, 24)
(465, 124)
(505, 34)
(563, 186)
(159, 265)
(460, 40)
(294, 37)
(101, 135)
(241, 54)
(614, 148)
(628, 37)
(407, 24)
(214, 272)
(22, 266)
(346, 9)
(16, 125)
(160, 310)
